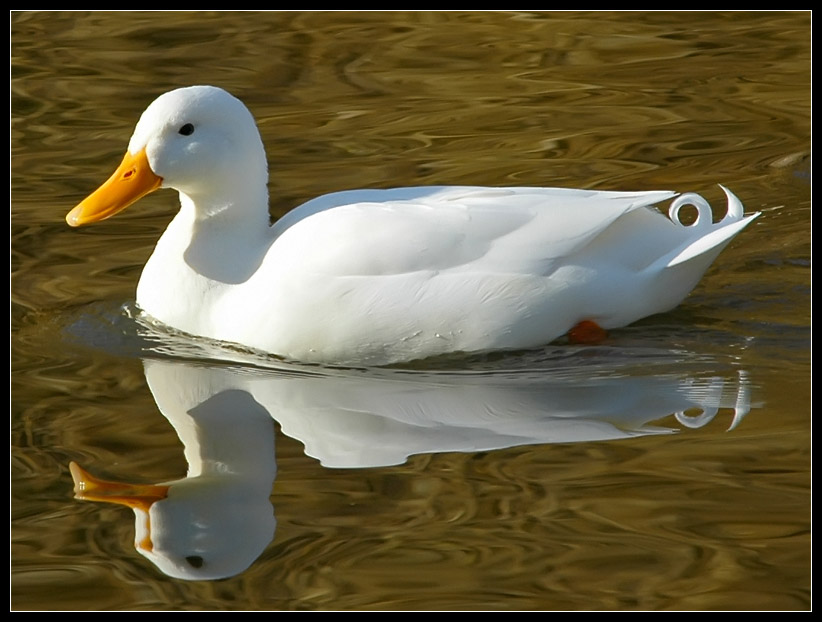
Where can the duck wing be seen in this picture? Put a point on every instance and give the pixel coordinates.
(493, 230)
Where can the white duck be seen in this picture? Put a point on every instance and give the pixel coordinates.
(381, 276)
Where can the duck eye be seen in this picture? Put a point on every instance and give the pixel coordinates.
(186, 130)
(195, 561)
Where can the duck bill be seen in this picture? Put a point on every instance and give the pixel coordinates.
(136, 496)
(132, 180)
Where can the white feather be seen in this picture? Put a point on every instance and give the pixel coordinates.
(380, 276)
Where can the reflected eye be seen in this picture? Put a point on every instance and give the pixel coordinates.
(186, 130)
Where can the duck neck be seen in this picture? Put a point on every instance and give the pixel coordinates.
(239, 205)
(226, 240)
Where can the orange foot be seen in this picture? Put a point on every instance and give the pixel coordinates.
(587, 332)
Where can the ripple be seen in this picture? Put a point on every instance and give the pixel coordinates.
(697, 521)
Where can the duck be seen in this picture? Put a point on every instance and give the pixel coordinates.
(378, 277)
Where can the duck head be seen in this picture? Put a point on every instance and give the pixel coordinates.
(199, 140)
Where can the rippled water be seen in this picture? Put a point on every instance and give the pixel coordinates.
(667, 469)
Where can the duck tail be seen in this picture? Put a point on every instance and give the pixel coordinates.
(714, 236)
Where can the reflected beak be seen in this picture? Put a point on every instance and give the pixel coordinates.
(136, 496)
(132, 180)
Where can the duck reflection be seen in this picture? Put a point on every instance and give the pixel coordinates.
(218, 519)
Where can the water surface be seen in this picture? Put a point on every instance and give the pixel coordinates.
(667, 469)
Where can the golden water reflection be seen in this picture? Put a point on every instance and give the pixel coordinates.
(701, 519)
(214, 522)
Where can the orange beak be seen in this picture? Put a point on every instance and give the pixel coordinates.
(132, 180)
(90, 488)
(136, 496)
